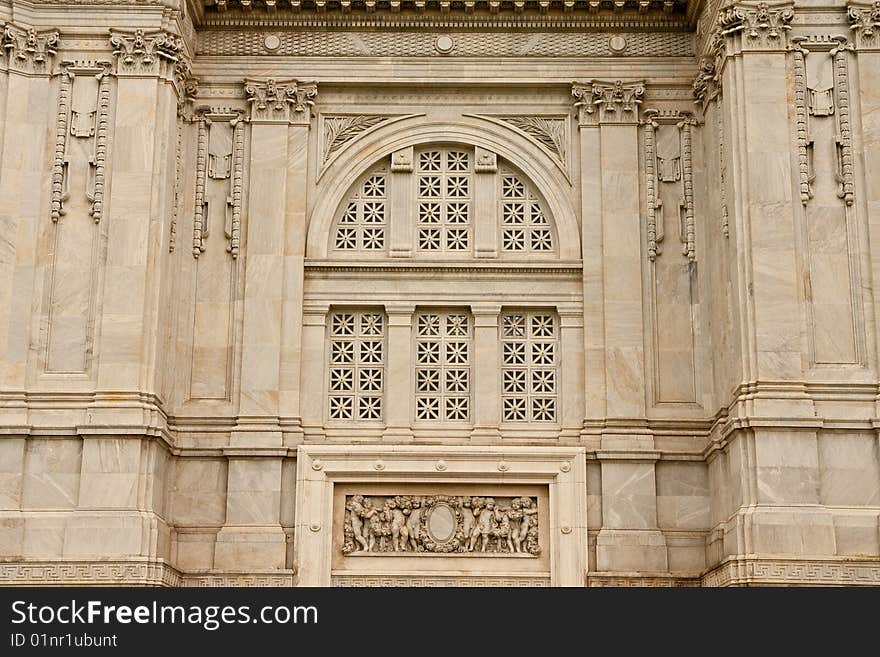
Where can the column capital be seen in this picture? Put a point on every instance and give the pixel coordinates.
(29, 50)
(149, 54)
(601, 102)
(756, 27)
(281, 101)
(864, 20)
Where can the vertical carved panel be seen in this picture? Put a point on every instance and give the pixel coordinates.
(77, 204)
(669, 202)
(823, 136)
(220, 150)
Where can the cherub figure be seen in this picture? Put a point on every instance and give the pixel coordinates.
(356, 510)
(503, 529)
(515, 514)
(374, 527)
(467, 521)
(397, 521)
(529, 527)
(413, 522)
(486, 524)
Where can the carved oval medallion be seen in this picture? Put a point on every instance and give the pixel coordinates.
(441, 523)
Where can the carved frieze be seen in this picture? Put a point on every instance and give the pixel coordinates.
(669, 161)
(608, 102)
(219, 177)
(29, 50)
(280, 101)
(865, 24)
(83, 114)
(440, 525)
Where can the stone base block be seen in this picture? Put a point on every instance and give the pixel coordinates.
(641, 550)
(243, 548)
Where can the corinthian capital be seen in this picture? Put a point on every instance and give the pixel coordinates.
(281, 101)
(758, 26)
(28, 50)
(865, 23)
(608, 102)
(146, 53)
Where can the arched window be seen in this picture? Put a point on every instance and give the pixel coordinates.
(444, 204)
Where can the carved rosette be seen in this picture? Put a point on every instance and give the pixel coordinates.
(405, 525)
(280, 101)
(865, 24)
(29, 50)
(140, 53)
(608, 102)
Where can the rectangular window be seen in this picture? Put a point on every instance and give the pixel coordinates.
(357, 365)
(444, 194)
(443, 366)
(529, 366)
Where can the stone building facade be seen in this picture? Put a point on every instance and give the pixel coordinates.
(419, 292)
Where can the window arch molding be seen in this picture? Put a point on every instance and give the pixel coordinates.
(351, 164)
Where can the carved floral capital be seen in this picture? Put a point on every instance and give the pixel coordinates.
(29, 50)
(865, 24)
(281, 101)
(608, 102)
(759, 26)
(149, 53)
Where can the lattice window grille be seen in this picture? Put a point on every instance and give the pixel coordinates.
(443, 366)
(529, 372)
(357, 365)
(524, 226)
(444, 188)
(363, 224)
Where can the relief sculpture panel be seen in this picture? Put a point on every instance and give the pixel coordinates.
(441, 524)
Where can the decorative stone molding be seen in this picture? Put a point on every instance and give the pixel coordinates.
(742, 571)
(760, 27)
(423, 7)
(865, 24)
(485, 161)
(184, 115)
(440, 525)
(465, 466)
(608, 102)
(417, 41)
(549, 132)
(605, 580)
(140, 53)
(280, 101)
(28, 50)
(89, 573)
(437, 581)
(821, 103)
(216, 165)
(339, 130)
(674, 168)
(93, 124)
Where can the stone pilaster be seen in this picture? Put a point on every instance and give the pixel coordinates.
(487, 383)
(399, 386)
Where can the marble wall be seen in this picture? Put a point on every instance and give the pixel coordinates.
(166, 273)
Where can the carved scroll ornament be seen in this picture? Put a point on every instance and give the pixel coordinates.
(440, 524)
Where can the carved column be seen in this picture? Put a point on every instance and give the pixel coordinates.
(609, 118)
(485, 204)
(399, 385)
(402, 162)
(313, 367)
(29, 61)
(280, 111)
(865, 99)
(486, 382)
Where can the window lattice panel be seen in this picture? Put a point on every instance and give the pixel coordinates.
(357, 365)
(529, 372)
(443, 366)
(524, 225)
(444, 188)
(362, 226)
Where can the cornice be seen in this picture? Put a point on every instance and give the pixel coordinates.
(551, 269)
